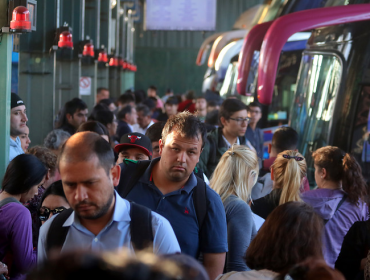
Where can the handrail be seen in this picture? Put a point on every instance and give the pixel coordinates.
(252, 42)
(285, 26)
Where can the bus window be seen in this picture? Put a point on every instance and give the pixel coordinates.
(285, 84)
(360, 147)
(313, 104)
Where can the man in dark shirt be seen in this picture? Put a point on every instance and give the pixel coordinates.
(253, 133)
(126, 117)
(170, 109)
(74, 114)
(167, 186)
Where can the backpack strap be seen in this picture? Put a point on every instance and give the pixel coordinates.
(141, 226)
(200, 201)
(130, 174)
(57, 233)
(338, 206)
(8, 200)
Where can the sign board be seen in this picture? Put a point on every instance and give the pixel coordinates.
(85, 86)
(180, 15)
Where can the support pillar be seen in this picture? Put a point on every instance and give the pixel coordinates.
(6, 47)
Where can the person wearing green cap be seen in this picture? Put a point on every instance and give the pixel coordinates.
(18, 121)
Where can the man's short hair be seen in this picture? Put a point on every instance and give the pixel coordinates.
(187, 125)
(102, 114)
(95, 145)
(172, 101)
(153, 88)
(150, 102)
(190, 95)
(212, 103)
(254, 104)
(140, 96)
(229, 107)
(106, 101)
(125, 110)
(154, 132)
(74, 105)
(144, 109)
(212, 118)
(284, 138)
(126, 98)
(94, 126)
(100, 89)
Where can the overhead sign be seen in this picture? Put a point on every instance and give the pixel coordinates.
(85, 86)
(180, 15)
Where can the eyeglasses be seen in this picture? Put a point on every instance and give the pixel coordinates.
(44, 212)
(240, 120)
(290, 157)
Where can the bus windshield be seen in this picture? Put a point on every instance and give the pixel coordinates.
(314, 102)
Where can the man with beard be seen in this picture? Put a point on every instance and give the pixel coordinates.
(18, 121)
(168, 186)
(101, 220)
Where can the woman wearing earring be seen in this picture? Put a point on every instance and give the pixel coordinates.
(233, 179)
(340, 198)
(287, 173)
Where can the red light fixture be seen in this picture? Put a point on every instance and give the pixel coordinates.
(88, 50)
(20, 20)
(124, 65)
(65, 40)
(103, 57)
(114, 61)
(134, 68)
(120, 62)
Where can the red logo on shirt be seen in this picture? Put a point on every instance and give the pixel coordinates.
(186, 211)
(133, 138)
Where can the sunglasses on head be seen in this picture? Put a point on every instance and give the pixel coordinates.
(44, 212)
(290, 157)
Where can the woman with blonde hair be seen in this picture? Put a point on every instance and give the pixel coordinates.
(287, 172)
(233, 179)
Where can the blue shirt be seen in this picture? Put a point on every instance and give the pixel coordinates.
(178, 208)
(114, 236)
(15, 148)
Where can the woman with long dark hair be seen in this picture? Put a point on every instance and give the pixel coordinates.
(341, 198)
(21, 181)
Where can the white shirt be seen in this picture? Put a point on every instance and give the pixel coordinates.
(114, 236)
(137, 128)
(228, 144)
(248, 144)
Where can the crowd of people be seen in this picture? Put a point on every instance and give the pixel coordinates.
(176, 187)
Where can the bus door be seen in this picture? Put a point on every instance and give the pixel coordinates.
(314, 102)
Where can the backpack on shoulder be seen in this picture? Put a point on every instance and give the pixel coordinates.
(140, 228)
(132, 172)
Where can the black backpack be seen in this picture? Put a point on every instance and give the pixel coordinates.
(132, 172)
(140, 228)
